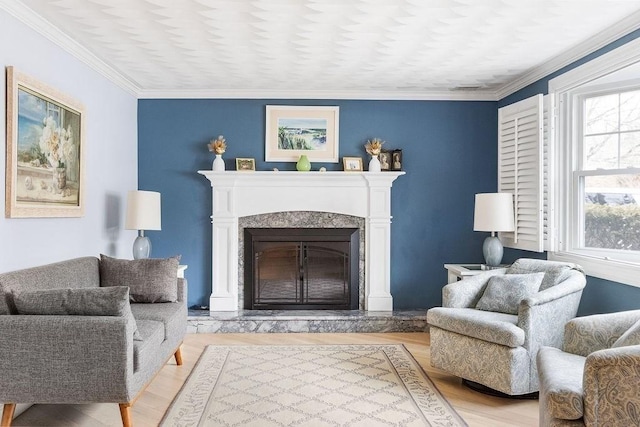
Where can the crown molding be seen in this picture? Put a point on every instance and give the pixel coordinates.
(569, 56)
(373, 95)
(55, 35)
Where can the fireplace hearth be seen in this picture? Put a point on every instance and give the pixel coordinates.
(301, 268)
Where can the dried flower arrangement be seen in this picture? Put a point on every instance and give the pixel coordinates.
(218, 146)
(374, 146)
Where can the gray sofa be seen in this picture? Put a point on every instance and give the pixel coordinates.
(494, 341)
(78, 355)
(595, 379)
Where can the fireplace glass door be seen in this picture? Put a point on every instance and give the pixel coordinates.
(301, 269)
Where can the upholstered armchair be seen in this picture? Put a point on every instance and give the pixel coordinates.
(491, 325)
(595, 379)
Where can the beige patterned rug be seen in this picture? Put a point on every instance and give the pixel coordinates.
(309, 385)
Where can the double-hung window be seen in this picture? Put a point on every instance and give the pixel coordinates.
(596, 116)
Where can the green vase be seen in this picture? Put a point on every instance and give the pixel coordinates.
(303, 165)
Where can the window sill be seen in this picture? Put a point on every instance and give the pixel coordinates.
(617, 271)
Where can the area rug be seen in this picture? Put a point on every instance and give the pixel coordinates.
(309, 385)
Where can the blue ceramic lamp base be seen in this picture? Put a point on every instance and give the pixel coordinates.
(493, 251)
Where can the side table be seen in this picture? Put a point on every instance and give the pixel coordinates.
(457, 272)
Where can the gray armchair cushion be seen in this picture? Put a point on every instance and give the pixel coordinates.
(561, 377)
(113, 301)
(555, 272)
(504, 293)
(149, 280)
(498, 328)
(630, 337)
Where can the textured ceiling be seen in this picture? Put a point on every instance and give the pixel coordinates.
(383, 46)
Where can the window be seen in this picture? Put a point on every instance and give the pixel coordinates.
(596, 112)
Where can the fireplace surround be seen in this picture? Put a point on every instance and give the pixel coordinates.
(240, 194)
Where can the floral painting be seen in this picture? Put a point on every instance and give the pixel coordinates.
(292, 131)
(44, 137)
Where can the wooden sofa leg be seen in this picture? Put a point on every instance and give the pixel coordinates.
(178, 356)
(7, 414)
(125, 413)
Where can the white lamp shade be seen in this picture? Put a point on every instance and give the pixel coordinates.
(143, 210)
(493, 212)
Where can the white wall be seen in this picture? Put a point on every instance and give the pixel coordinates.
(110, 156)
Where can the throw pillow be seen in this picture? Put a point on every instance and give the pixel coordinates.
(77, 302)
(504, 293)
(630, 337)
(149, 280)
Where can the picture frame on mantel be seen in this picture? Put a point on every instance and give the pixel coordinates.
(292, 131)
(45, 150)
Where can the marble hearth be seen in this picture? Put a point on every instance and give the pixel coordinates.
(237, 195)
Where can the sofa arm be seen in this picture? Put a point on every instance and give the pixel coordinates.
(611, 387)
(466, 292)
(66, 359)
(584, 335)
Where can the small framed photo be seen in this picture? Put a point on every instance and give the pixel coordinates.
(385, 160)
(396, 160)
(245, 165)
(352, 164)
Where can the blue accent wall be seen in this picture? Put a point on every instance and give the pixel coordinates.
(599, 296)
(449, 149)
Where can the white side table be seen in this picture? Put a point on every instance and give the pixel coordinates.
(181, 269)
(457, 272)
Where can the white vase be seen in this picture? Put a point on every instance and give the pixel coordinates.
(218, 164)
(374, 164)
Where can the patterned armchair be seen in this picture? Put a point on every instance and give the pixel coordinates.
(595, 379)
(494, 343)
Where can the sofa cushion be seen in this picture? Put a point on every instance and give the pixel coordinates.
(149, 280)
(112, 301)
(560, 376)
(498, 328)
(172, 316)
(145, 351)
(630, 337)
(504, 293)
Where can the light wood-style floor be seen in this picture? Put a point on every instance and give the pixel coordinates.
(476, 409)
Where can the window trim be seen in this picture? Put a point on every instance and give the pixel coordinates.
(562, 90)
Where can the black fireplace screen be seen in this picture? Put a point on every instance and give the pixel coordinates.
(294, 268)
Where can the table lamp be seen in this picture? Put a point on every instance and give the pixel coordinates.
(493, 212)
(143, 213)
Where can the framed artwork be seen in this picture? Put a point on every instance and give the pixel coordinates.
(385, 160)
(245, 165)
(396, 160)
(45, 151)
(352, 164)
(292, 131)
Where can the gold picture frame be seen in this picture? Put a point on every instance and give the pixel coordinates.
(292, 131)
(245, 164)
(352, 164)
(44, 150)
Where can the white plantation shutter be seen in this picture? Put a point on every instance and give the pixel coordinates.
(520, 171)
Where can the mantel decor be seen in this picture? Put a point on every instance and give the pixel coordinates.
(44, 164)
(293, 131)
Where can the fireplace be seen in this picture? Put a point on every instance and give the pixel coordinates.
(301, 268)
(236, 195)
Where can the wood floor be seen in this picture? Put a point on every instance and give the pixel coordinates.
(476, 409)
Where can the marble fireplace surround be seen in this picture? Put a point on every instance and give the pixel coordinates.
(242, 194)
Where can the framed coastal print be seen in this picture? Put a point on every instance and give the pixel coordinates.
(245, 164)
(352, 164)
(292, 131)
(44, 152)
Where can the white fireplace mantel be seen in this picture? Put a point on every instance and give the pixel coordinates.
(238, 194)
